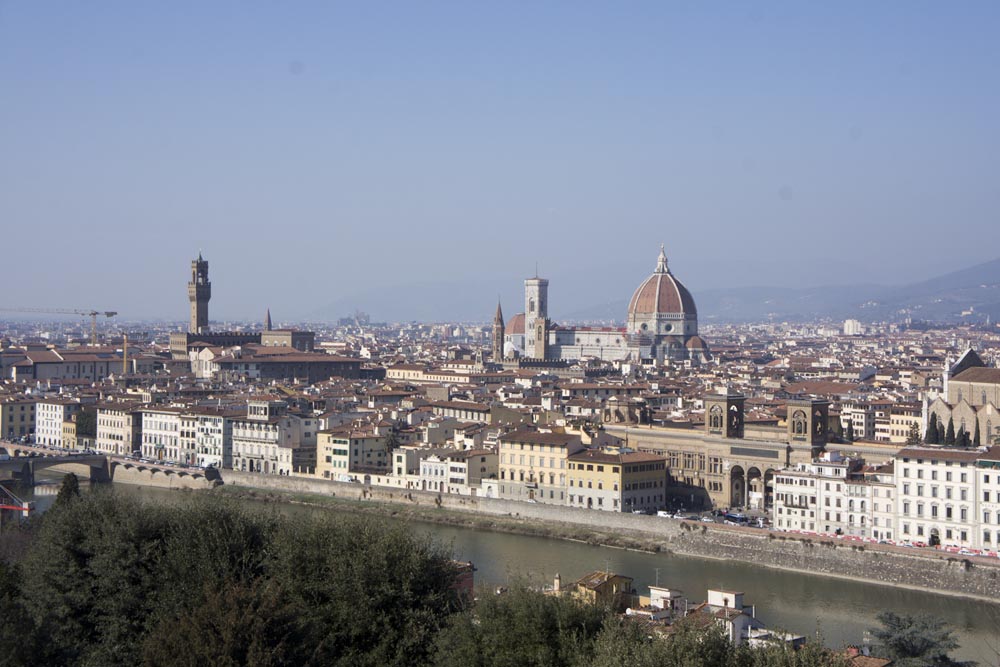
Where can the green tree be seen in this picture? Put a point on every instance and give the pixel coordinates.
(949, 436)
(915, 641)
(68, 491)
(20, 642)
(913, 438)
(520, 627)
(962, 440)
(850, 431)
(233, 624)
(932, 437)
(977, 439)
(86, 423)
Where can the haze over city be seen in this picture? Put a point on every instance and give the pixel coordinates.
(326, 154)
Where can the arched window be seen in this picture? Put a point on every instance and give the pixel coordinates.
(984, 398)
(531, 309)
(959, 396)
(715, 419)
(799, 425)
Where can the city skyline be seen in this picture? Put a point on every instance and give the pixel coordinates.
(356, 149)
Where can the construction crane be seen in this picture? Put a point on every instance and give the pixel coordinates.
(92, 314)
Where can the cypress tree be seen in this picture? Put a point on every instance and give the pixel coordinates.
(977, 438)
(949, 436)
(932, 436)
(850, 431)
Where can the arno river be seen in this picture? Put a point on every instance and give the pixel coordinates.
(841, 610)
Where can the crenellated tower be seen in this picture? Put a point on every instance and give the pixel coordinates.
(199, 293)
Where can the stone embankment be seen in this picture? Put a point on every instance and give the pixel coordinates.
(880, 564)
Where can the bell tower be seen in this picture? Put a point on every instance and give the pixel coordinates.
(725, 415)
(498, 335)
(199, 292)
(536, 307)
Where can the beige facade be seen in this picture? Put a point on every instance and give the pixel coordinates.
(17, 417)
(616, 481)
(533, 465)
(119, 429)
(340, 453)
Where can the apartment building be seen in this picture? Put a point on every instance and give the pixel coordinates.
(17, 416)
(161, 433)
(936, 491)
(533, 465)
(119, 429)
(271, 439)
(343, 451)
(50, 414)
(617, 481)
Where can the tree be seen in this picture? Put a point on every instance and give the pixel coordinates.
(977, 439)
(914, 436)
(915, 641)
(850, 431)
(962, 440)
(69, 491)
(521, 627)
(86, 423)
(949, 436)
(933, 437)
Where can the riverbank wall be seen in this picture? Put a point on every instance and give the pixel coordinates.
(879, 564)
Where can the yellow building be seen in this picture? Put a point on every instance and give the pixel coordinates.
(17, 417)
(616, 481)
(605, 589)
(533, 465)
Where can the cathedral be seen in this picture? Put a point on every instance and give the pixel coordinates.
(661, 327)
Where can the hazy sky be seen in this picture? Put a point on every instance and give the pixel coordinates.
(318, 151)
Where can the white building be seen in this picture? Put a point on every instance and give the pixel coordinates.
(936, 491)
(161, 430)
(272, 440)
(49, 417)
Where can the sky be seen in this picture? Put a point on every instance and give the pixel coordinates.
(422, 156)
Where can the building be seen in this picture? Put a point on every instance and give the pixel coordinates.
(343, 451)
(661, 326)
(270, 439)
(936, 491)
(199, 333)
(199, 293)
(17, 416)
(969, 400)
(604, 589)
(617, 481)
(119, 429)
(988, 482)
(533, 465)
(50, 415)
(161, 433)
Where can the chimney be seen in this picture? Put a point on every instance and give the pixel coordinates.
(557, 584)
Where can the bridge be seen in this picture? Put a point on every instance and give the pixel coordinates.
(25, 460)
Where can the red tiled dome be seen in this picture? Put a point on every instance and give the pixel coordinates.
(516, 325)
(661, 293)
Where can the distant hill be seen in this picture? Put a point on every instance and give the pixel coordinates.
(941, 299)
(944, 298)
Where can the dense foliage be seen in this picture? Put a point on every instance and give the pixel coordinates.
(108, 580)
(103, 579)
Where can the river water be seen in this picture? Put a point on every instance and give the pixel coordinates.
(841, 610)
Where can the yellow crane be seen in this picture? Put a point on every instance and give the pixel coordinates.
(92, 314)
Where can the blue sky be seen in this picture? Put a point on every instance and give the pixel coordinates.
(320, 151)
